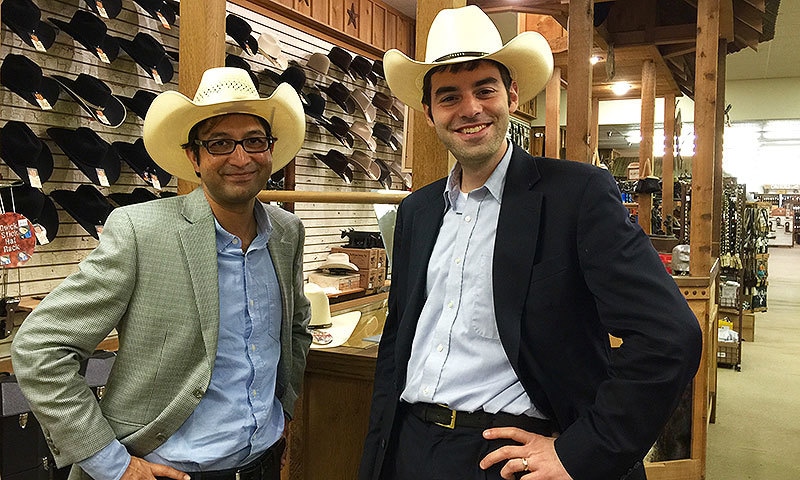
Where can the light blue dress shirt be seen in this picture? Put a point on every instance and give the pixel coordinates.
(239, 417)
(457, 358)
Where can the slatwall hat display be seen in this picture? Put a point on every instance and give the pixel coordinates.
(364, 132)
(95, 97)
(385, 134)
(136, 156)
(405, 177)
(241, 31)
(25, 153)
(105, 8)
(341, 58)
(160, 10)
(23, 17)
(24, 77)
(236, 61)
(90, 31)
(270, 47)
(151, 55)
(87, 206)
(366, 164)
(336, 161)
(337, 92)
(139, 103)
(364, 104)
(138, 195)
(35, 206)
(90, 153)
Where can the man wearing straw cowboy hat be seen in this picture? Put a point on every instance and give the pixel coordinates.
(507, 278)
(206, 293)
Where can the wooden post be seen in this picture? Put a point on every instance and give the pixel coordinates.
(668, 163)
(430, 159)
(716, 234)
(552, 116)
(579, 89)
(594, 126)
(647, 128)
(201, 46)
(705, 130)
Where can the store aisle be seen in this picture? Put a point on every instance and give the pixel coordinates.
(757, 429)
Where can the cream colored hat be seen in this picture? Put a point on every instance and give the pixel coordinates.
(463, 34)
(328, 331)
(338, 260)
(270, 47)
(221, 91)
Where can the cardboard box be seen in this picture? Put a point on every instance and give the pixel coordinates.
(363, 258)
(335, 282)
(728, 353)
(748, 327)
(372, 280)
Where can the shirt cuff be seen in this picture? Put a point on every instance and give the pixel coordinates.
(107, 464)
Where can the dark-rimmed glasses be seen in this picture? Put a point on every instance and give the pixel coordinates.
(225, 146)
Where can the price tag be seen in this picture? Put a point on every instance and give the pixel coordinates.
(164, 22)
(102, 55)
(101, 9)
(102, 117)
(101, 176)
(33, 177)
(37, 44)
(41, 234)
(43, 103)
(156, 76)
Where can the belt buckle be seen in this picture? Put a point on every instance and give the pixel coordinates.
(452, 423)
(238, 475)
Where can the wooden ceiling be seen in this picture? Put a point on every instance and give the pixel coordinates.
(629, 32)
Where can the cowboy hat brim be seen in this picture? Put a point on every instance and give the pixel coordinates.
(113, 112)
(172, 115)
(527, 56)
(343, 326)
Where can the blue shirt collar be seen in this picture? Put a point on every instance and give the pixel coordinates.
(494, 184)
(226, 239)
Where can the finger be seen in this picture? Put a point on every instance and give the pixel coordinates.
(513, 433)
(503, 453)
(513, 469)
(164, 471)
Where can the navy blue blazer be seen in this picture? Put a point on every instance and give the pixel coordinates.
(569, 269)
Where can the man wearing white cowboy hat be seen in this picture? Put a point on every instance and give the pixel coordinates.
(507, 279)
(206, 293)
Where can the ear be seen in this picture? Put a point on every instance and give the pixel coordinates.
(513, 97)
(428, 116)
(193, 159)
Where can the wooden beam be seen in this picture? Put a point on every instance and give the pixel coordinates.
(552, 115)
(677, 50)
(748, 14)
(716, 234)
(665, 35)
(647, 129)
(668, 163)
(579, 91)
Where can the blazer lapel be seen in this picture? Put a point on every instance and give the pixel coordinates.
(515, 247)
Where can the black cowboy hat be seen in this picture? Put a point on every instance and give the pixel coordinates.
(136, 156)
(149, 54)
(33, 205)
(377, 68)
(94, 96)
(384, 103)
(386, 175)
(138, 195)
(86, 205)
(340, 130)
(139, 103)
(88, 152)
(341, 95)
(105, 8)
(236, 61)
(315, 108)
(22, 76)
(241, 31)
(23, 150)
(160, 10)
(294, 75)
(90, 31)
(384, 133)
(341, 58)
(23, 17)
(362, 67)
(365, 163)
(336, 161)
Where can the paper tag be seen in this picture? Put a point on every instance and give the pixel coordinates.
(98, 229)
(43, 103)
(100, 9)
(37, 44)
(155, 182)
(102, 117)
(164, 22)
(101, 175)
(33, 177)
(102, 55)
(156, 76)
(41, 234)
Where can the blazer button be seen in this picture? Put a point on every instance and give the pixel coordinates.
(55, 450)
(161, 437)
(198, 393)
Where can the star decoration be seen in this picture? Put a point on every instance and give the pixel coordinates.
(307, 3)
(352, 15)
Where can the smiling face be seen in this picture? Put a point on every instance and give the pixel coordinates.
(470, 111)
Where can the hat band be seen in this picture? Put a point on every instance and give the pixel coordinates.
(460, 54)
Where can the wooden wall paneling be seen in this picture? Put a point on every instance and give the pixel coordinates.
(379, 27)
(337, 14)
(352, 17)
(303, 6)
(365, 20)
(390, 30)
(320, 10)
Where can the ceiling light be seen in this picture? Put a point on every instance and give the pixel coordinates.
(620, 88)
(595, 59)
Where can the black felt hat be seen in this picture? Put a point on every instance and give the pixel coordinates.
(95, 97)
(33, 205)
(149, 54)
(21, 149)
(23, 17)
(386, 175)
(295, 76)
(341, 95)
(384, 103)
(236, 61)
(138, 195)
(362, 67)
(90, 31)
(366, 164)
(22, 76)
(341, 58)
(315, 107)
(377, 68)
(136, 156)
(336, 161)
(88, 152)
(139, 103)
(86, 205)
(105, 8)
(241, 31)
(384, 133)
(160, 10)
(340, 130)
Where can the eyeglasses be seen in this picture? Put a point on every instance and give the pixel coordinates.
(225, 146)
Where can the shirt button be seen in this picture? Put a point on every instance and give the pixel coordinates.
(425, 390)
(458, 261)
(198, 393)
(254, 392)
(439, 348)
(235, 241)
(450, 305)
(467, 219)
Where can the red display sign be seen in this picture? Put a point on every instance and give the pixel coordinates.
(18, 240)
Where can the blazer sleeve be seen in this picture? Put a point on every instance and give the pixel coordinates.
(64, 329)
(301, 338)
(639, 302)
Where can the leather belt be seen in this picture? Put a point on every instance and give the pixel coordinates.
(270, 460)
(448, 418)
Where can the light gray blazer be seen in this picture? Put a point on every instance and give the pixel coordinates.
(153, 277)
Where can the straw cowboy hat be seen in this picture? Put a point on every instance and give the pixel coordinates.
(221, 91)
(452, 39)
(328, 331)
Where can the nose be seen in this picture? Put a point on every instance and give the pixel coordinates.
(470, 106)
(238, 156)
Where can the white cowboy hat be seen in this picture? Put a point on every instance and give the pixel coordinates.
(338, 260)
(464, 34)
(270, 47)
(328, 331)
(221, 91)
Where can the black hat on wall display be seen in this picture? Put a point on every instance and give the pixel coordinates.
(151, 55)
(386, 175)
(90, 31)
(90, 153)
(362, 67)
(366, 164)
(138, 195)
(86, 205)
(160, 10)
(23, 17)
(33, 205)
(105, 8)
(136, 156)
(341, 95)
(341, 58)
(315, 107)
(28, 156)
(236, 61)
(340, 130)
(22, 76)
(336, 161)
(384, 133)
(238, 29)
(95, 97)
(384, 103)
(139, 103)
(377, 68)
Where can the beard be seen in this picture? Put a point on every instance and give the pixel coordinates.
(480, 152)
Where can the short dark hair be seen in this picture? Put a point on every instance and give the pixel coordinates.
(505, 76)
(192, 145)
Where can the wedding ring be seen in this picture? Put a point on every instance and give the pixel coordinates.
(525, 465)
